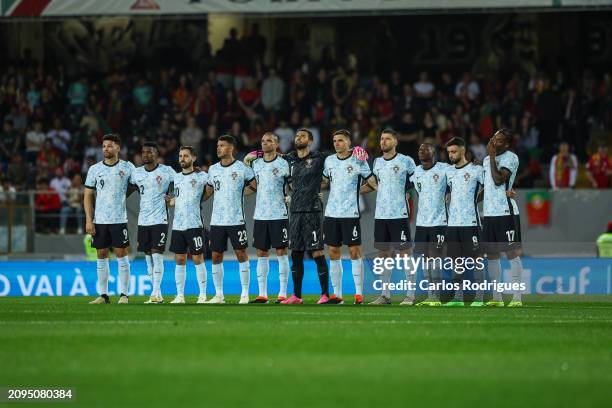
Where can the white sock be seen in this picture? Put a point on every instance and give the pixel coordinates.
(386, 279)
(335, 272)
(283, 274)
(149, 260)
(357, 269)
(411, 279)
(180, 274)
(158, 272)
(217, 275)
(263, 267)
(494, 266)
(201, 276)
(103, 269)
(245, 277)
(516, 270)
(124, 274)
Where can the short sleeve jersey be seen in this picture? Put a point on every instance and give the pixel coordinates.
(111, 184)
(271, 179)
(392, 176)
(345, 177)
(228, 183)
(153, 186)
(496, 203)
(431, 188)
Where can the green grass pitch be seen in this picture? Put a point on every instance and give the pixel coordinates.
(548, 354)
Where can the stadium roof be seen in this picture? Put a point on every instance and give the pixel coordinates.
(66, 8)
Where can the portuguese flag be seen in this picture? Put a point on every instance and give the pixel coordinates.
(538, 207)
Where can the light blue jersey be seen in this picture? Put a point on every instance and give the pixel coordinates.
(496, 203)
(431, 187)
(345, 177)
(392, 176)
(110, 183)
(465, 183)
(271, 179)
(153, 186)
(188, 193)
(229, 183)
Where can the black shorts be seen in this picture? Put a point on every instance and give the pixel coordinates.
(430, 240)
(392, 233)
(339, 231)
(219, 234)
(270, 234)
(501, 234)
(305, 232)
(111, 236)
(463, 241)
(191, 240)
(152, 237)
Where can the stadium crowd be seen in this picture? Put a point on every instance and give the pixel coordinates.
(52, 122)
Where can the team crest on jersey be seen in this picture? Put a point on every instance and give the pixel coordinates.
(396, 169)
(436, 177)
(121, 173)
(158, 179)
(193, 182)
(234, 175)
(466, 176)
(349, 169)
(308, 163)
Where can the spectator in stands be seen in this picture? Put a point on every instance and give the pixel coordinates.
(48, 158)
(272, 92)
(48, 205)
(73, 204)
(61, 184)
(477, 148)
(249, 99)
(468, 87)
(424, 90)
(192, 135)
(599, 168)
(563, 168)
(60, 137)
(204, 106)
(8, 192)
(285, 136)
(10, 141)
(35, 139)
(18, 172)
(77, 95)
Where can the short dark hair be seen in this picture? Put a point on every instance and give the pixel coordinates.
(113, 137)
(229, 139)
(310, 136)
(507, 133)
(390, 131)
(152, 145)
(456, 141)
(190, 149)
(342, 132)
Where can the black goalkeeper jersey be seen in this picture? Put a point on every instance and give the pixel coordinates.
(305, 179)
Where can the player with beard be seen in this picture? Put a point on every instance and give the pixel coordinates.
(391, 179)
(187, 225)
